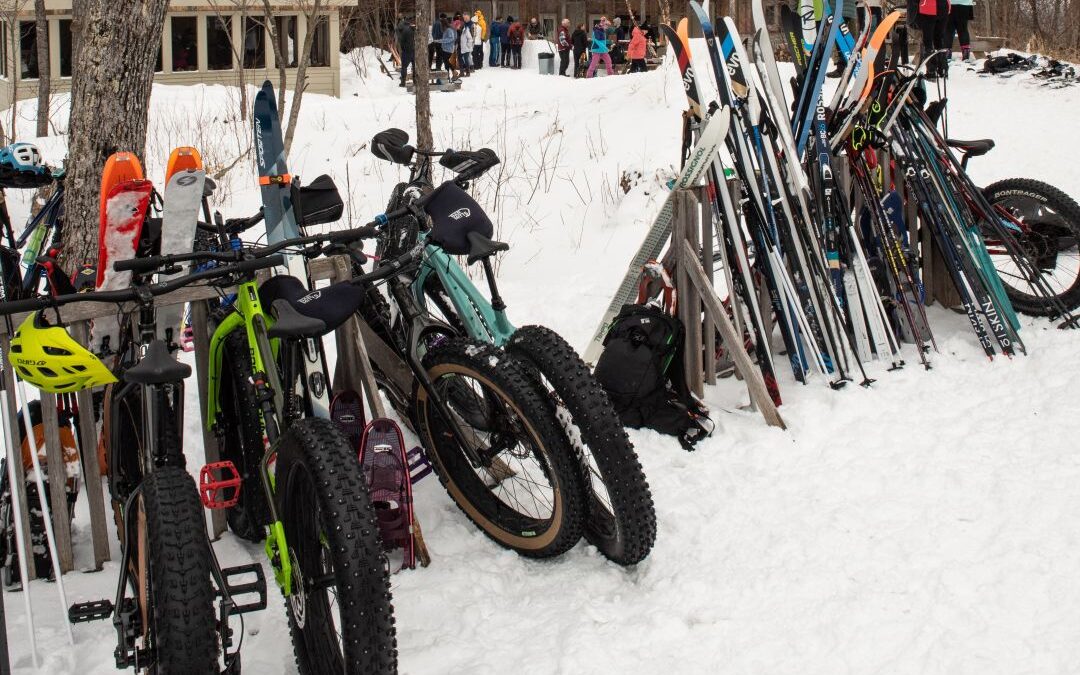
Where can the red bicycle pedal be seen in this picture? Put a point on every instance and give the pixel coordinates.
(219, 485)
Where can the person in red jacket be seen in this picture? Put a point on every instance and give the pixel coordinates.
(933, 21)
(517, 38)
(564, 46)
(636, 51)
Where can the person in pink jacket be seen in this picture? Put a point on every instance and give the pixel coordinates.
(636, 51)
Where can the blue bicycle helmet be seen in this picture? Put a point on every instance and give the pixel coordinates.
(22, 157)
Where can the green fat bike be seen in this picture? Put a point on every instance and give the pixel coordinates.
(302, 492)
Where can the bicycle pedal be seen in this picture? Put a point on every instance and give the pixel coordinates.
(219, 485)
(94, 610)
(256, 587)
(419, 465)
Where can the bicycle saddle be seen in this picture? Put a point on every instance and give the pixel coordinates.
(481, 247)
(303, 313)
(157, 366)
(972, 148)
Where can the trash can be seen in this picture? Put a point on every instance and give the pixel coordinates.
(547, 63)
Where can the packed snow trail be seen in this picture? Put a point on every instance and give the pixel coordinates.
(925, 525)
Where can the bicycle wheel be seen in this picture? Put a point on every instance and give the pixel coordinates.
(621, 518)
(340, 615)
(1051, 222)
(528, 494)
(240, 431)
(176, 589)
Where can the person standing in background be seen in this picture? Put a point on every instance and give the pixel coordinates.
(636, 51)
(480, 30)
(449, 45)
(466, 45)
(536, 31)
(505, 42)
(495, 31)
(564, 45)
(933, 22)
(961, 13)
(580, 41)
(599, 49)
(517, 39)
(405, 31)
(434, 48)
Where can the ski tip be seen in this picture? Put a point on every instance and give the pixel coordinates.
(184, 158)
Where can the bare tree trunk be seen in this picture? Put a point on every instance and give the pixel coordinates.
(422, 76)
(16, 73)
(41, 23)
(279, 58)
(304, 57)
(115, 45)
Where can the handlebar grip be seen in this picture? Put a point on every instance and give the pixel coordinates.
(27, 305)
(365, 232)
(256, 264)
(139, 264)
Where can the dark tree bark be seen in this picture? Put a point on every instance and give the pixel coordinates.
(422, 76)
(115, 46)
(44, 67)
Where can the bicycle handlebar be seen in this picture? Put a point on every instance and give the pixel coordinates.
(128, 294)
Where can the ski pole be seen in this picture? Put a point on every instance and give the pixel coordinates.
(50, 535)
(16, 506)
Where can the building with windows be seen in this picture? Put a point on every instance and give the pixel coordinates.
(202, 41)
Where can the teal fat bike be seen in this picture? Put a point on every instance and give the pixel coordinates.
(436, 297)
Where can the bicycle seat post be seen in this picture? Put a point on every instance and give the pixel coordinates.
(496, 300)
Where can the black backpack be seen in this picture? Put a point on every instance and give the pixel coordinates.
(641, 368)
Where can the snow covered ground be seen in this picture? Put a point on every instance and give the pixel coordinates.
(928, 524)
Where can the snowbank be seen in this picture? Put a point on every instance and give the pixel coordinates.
(927, 524)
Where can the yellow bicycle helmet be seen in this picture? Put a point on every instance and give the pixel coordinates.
(48, 358)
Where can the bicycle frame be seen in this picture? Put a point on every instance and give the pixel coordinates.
(482, 321)
(265, 355)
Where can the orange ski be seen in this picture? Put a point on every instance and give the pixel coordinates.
(185, 158)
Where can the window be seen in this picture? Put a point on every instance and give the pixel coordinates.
(185, 44)
(219, 55)
(320, 42)
(65, 47)
(3, 49)
(28, 49)
(254, 43)
(286, 35)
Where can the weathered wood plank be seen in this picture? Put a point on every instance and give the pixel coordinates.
(54, 458)
(88, 445)
(754, 382)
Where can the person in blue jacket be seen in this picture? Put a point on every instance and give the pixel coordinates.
(504, 43)
(599, 49)
(449, 46)
(495, 33)
(434, 51)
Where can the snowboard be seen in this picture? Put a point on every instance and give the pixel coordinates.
(124, 205)
(385, 466)
(184, 181)
(275, 184)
